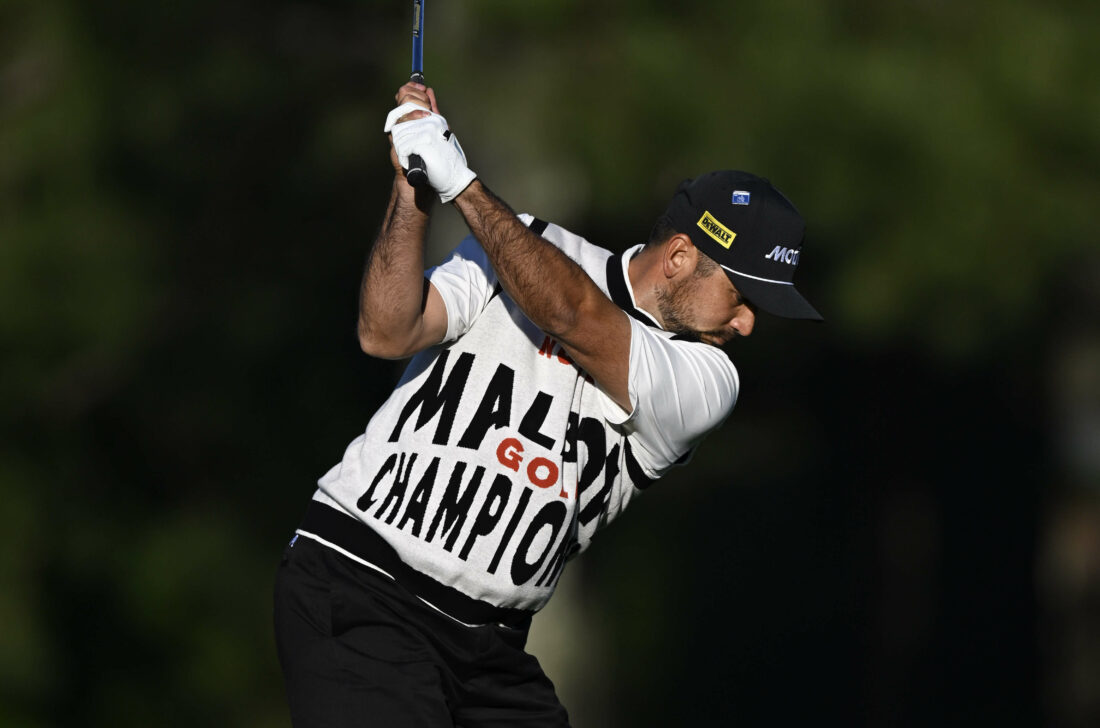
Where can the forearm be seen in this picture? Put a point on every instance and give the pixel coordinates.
(553, 291)
(392, 294)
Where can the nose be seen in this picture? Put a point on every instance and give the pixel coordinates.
(743, 321)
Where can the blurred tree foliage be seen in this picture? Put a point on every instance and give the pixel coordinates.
(187, 191)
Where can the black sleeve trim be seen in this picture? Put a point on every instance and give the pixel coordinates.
(634, 470)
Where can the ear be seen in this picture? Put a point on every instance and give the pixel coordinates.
(679, 256)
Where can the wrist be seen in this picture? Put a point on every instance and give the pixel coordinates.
(420, 198)
(465, 200)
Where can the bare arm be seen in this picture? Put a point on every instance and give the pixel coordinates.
(400, 313)
(553, 291)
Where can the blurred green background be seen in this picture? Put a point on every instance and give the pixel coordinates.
(899, 525)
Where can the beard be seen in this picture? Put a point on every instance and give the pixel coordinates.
(675, 307)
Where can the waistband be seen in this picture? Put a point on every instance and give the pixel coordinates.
(360, 541)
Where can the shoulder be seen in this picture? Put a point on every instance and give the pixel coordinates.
(694, 366)
(681, 390)
(680, 400)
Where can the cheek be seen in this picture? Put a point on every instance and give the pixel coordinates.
(719, 320)
(715, 309)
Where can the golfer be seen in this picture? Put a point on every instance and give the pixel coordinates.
(551, 382)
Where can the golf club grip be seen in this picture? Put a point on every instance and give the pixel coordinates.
(416, 174)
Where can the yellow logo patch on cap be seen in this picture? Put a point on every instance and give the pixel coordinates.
(716, 230)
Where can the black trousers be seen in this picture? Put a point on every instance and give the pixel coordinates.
(358, 650)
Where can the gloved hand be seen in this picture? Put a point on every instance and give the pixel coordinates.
(430, 137)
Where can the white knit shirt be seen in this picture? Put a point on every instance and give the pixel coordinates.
(496, 458)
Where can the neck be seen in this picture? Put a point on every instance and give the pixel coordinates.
(643, 270)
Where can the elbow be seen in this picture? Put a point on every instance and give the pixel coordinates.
(382, 349)
(566, 320)
(374, 344)
(559, 323)
(368, 343)
(397, 342)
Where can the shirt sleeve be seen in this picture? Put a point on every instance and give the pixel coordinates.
(465, 281)
(679, 391)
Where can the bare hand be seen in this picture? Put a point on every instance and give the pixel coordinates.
(415, 93)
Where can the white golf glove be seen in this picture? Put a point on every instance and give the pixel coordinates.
(444, 160)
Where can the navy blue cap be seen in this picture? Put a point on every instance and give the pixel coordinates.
(750, 229)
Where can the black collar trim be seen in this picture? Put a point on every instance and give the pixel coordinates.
(620, 294)
(616, 285)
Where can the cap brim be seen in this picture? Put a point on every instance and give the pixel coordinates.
(778, 299)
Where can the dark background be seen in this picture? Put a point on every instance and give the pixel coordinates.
(898, 526)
